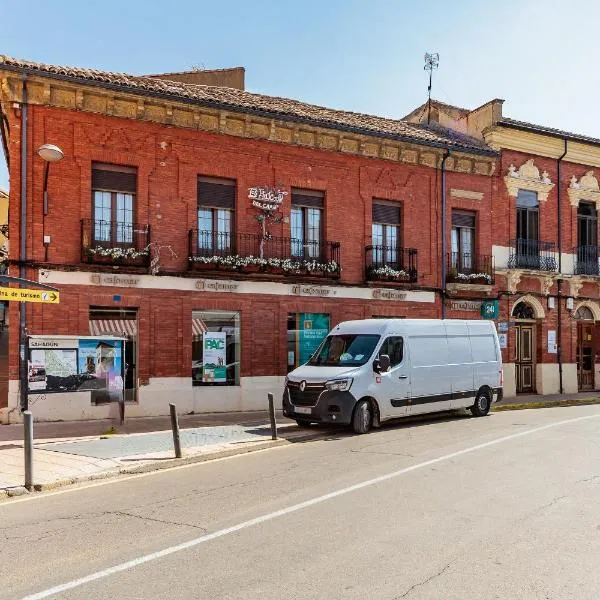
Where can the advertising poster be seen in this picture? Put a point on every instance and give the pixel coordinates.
(312, 329)
(214, 359)
(73, 365)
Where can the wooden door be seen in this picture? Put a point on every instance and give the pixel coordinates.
(585, 355)
(525, 358)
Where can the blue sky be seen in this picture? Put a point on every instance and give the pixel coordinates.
(362, 55)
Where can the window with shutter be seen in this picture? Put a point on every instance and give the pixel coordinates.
(463, 241)
(113, 197)
(307, 223)
(216, 206)
(386, 232)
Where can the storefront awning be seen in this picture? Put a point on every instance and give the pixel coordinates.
(198, 327)
(119, 327)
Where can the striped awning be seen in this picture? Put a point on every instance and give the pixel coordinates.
(117, 327)
(198, 327)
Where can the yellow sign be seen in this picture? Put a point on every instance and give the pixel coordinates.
(25, 295)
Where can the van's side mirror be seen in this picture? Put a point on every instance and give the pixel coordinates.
(381, 364)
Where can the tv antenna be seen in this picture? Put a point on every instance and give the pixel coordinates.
(432, 61)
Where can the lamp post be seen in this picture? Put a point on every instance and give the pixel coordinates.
(49, 153)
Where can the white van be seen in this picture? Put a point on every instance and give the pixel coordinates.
(365, 372)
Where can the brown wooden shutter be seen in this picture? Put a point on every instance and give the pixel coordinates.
(114, 178)
(216, 193)
(310, 198)
(386, 213)
(463, 218)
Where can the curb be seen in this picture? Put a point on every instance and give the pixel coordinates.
(546, 404)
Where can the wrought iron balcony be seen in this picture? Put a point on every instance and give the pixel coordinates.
(586, 260)
(532, 254)
(115, 242)
(464, 267)
(389, 263)
(250, 252)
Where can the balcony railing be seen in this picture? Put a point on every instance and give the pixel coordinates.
(250, 252)
(532, 254)
(464, 267)
(115, 242)
(389, 263)
(586, 260)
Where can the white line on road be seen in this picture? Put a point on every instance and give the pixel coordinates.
(130, 564)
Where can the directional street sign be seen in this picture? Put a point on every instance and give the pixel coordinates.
(25, 295)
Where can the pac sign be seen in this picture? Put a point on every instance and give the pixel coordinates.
(490, 309)
(212, 344)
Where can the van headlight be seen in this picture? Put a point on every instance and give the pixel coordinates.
(339, 385)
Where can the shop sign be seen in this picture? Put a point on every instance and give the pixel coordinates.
(216, 286)
(266, 198)
(471, 305)
(312, 329)
(312, 290)
(388, 295)
(116, 280)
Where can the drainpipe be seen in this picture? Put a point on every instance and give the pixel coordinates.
(444, 241)
(559, 281)
(23, 249)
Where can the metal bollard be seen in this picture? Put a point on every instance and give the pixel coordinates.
(272, 416)
(175, 428)
(28, 447)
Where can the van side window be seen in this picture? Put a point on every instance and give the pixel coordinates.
(394, 348)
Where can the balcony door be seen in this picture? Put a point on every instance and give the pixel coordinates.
(587, 239)
(216, 209)
(113, 199)
(307, 224)
(463, 242)
(386, 234)
(527, 244)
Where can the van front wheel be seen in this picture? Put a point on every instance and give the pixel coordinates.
(362, 418)
(482, 405)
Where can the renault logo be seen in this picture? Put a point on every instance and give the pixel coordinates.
(302, 386)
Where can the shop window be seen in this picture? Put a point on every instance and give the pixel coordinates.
(113, 197)
(305, 332)
(216, 207)
(215, 347)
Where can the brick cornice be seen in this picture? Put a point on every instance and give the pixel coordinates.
(87, 98)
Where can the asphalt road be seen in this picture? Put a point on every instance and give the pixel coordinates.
(506, 506)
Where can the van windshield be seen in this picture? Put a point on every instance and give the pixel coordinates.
(351, 350)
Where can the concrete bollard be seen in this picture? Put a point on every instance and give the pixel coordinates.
(272, 416)
(175, 428)
(28, 448)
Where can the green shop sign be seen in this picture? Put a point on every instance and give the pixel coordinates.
(490, 309)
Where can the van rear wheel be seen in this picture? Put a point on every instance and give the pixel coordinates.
(483, 403)
(362, 417)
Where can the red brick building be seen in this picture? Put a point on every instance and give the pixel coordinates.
(544, 243)
(181, 212)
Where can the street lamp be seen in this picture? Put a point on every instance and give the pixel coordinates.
(49, 153)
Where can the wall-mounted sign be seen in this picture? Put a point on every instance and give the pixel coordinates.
(116, 280)
(25, 295)
(552, 348)
(502, 326)
(503, 339)
(312, 290)
(490, 309)
(388, 295)
(266, 198)
(472, 305)
(216, 286)
(214, 361)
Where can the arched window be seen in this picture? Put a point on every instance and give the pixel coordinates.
(584, 314)
(522, 310)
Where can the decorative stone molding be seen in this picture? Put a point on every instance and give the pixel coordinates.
(546, 283)
(586, 188)
(513, 278)
(593, 306)
(575, 284)
(457, 288)
(89, 98)
(467, 194)
(534, 302)
(528, 177)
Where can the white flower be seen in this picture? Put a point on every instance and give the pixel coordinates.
(387, 271)
(118, 253)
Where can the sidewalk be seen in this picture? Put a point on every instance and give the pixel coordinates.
(72, 452)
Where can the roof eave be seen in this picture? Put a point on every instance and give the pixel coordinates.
(256, 112)
(542, 131)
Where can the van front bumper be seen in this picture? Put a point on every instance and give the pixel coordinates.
(332, 407)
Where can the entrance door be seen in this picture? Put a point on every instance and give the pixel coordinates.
(585, 355)
(525, 358)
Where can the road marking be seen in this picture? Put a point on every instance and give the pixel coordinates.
(130, 564)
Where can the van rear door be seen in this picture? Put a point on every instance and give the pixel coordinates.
(460, 358)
